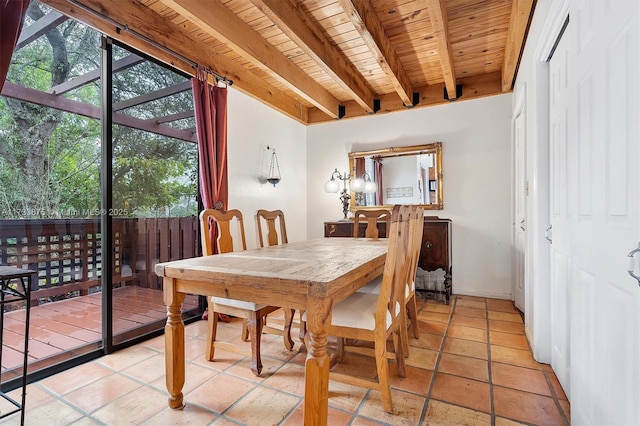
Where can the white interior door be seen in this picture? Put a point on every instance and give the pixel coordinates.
(603, 224)
(560, 213)
(520, 210)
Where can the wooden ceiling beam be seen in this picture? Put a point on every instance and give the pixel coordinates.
(148, 24)
(40, 27)
(308, 36)
(475, 87)
(440, 25)
(521, 12)
(219, 21)
(368, 25)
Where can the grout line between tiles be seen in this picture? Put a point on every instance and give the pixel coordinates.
(489, 370)
(438, 358)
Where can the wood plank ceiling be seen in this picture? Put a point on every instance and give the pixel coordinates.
(321, 60)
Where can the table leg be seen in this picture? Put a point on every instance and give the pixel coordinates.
(316, 376)
(174, 344)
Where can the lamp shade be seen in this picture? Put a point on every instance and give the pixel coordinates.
(357, 185)
(370, 187)
(331, 186)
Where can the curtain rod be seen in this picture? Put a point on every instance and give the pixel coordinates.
(124, 27)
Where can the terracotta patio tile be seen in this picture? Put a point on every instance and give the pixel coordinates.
(518, 341)
(526, 407)
(520, 357)
(464, 366)
(505, 316)
(465, 321)
(441, 413)
(466, 347)
(471, 304)
(520, 378)
(251, 408)
(506, 327)
(467, 333)
(470, 312)
(460, 391)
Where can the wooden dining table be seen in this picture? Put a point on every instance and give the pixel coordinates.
(310, 275)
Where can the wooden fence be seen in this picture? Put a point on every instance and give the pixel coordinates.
(67, 253)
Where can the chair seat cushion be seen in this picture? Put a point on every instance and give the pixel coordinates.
(372, 287)
(241, 304)
(357, 311)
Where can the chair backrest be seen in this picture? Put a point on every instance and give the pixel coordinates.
(417, 227)
(270, 218)
(394, 277)
(372, 217)
(217, 224)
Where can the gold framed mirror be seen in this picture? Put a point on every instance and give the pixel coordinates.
(403, 175)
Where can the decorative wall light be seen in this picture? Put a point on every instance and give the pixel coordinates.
(358, 185)
(274, 169)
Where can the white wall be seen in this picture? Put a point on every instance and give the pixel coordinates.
(252, 127)
(477, 179)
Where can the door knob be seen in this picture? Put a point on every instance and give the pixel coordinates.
(631, 263)
(548, 234)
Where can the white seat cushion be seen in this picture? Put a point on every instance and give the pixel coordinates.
(372, 287)
(357, 311)
(241, 304)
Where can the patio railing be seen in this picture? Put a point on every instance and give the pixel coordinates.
(67, 253)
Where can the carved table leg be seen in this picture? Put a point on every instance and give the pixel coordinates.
(174, 344)
(254, 325)
(316, 377)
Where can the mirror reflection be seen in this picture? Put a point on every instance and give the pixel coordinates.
(402, 175)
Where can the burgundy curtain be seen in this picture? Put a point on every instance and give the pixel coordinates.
(12, 13)
(379, 195)
(210, 106)
(359, 167)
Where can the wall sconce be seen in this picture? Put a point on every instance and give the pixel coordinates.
(274, 169)
(362, 184)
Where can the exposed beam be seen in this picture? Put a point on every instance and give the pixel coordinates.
(152, 96)
(521, 12)
(148, 24)
(93, 75)
(40, 27)
(173, 117)
(368, 25)
(216, 19)
(308, 36)
(440, 25)
(474, 87)
(15, 91)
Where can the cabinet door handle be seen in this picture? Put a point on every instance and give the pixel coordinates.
(548, 234)
(522, 224)
(428, 245)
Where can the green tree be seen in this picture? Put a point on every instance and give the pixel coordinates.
(50, 160)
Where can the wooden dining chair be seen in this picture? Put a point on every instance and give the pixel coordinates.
(410, 306)
(252, 313)
(371, 217)
(272, 230)
(377, 317)
(273, 220)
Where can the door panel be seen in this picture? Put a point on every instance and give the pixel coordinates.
(605, 301)
(559, 185)
(520, 196)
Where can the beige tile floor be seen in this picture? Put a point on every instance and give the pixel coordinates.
(472, 365)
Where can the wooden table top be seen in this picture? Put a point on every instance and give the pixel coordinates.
(290, 271)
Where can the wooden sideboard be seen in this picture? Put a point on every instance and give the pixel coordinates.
(436, 244)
